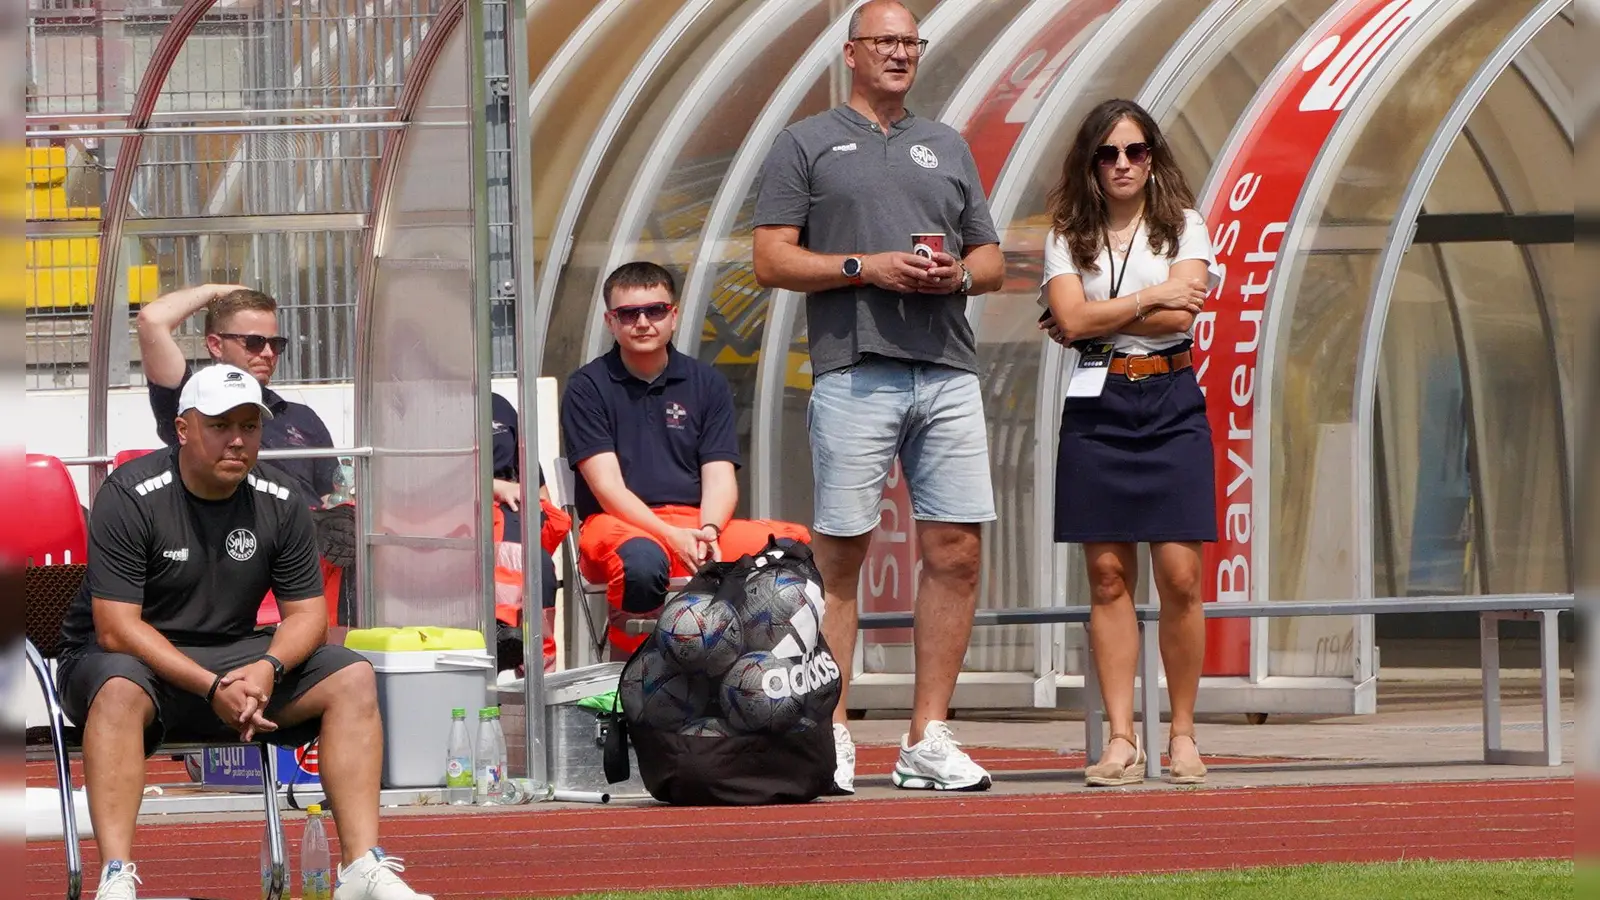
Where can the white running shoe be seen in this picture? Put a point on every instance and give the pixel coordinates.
(374, 877)
(937, 763)
(118, 881)
(844, 761)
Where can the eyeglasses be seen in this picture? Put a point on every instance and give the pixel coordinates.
(886, 44)
(1138, 153)
(255, 343)
(628, 315)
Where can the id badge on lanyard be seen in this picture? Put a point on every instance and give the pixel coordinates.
(1094, 364)
(1094, 357)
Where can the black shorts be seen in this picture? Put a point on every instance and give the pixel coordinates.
(182, 716)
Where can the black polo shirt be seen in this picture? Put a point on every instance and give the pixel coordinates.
(662, 431)
(291, 425)
(198, 569)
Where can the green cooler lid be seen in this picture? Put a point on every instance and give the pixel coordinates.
(413, 639)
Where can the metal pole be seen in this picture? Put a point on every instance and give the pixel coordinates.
(526, 336)
(478, 165)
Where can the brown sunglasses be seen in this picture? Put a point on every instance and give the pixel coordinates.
(1138, 153)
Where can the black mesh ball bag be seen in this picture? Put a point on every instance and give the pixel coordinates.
(730, 701)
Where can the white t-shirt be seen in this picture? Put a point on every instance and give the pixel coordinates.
(1145, 269)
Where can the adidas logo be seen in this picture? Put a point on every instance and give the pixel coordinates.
(816, 668)
(796, 681)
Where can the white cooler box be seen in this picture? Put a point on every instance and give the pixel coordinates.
(576, 737)
(424, 673)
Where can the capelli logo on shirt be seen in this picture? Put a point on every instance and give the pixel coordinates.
(844, 148)
(179, 555)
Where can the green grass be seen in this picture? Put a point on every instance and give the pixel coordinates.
(1529, 880)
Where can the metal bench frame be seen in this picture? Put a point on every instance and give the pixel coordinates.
(1492, 610)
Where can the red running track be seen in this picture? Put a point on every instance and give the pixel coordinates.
(541, 852)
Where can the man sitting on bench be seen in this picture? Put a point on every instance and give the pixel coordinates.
(650, 432)
(183, 545)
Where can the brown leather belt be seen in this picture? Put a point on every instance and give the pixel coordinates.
(1138, 368)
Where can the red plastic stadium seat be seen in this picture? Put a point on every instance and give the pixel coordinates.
(127, 456)
(56, 533)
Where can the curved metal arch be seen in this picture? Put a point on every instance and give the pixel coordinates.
(219, 203)
(555, 70)
(1088, 61)
(561, 231)
(746, 163)
(1398, 243)
(751, 38)
(773, 364)
(993, 65)
(112, 215)
(1281, 298)
(1213, 37)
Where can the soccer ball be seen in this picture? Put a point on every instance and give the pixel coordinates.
(757, 696)
(660, 694)
(773, 599)
(699, 633)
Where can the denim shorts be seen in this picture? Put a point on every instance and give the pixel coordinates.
(931, 416)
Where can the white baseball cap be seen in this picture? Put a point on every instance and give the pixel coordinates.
(214, 390)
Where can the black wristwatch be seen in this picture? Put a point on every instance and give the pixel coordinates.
(277, 667)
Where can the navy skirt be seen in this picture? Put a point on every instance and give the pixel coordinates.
(1135, 464)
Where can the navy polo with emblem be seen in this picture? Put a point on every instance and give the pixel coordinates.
(291, 425)
(662, 431)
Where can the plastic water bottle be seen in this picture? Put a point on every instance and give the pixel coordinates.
(458, 764)
(316, 875)
(344, 485)
(489, 756)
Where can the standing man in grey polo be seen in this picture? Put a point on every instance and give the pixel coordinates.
(893, 358)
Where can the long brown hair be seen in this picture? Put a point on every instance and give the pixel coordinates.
(1078, 207)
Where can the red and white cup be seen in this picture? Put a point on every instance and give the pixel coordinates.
(926, 245)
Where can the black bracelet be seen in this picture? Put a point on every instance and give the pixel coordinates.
(213, 692)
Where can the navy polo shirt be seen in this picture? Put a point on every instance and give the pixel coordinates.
(661, 431)
(291, 425)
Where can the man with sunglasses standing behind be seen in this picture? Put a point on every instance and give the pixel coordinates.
(241, 329)
(650, 432)
(893, 358)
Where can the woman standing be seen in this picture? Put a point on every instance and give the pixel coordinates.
(1127, 267)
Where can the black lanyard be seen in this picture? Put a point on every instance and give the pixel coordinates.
(1116, 280)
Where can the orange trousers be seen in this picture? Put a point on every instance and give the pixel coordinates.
(508, 571)
(603, 536)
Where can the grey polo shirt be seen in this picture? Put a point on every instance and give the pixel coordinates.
(853, 189)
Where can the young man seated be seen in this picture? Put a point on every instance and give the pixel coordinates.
(650, 433)
(161, 641)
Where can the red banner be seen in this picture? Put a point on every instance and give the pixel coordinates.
(889, 575)
(1263, 175)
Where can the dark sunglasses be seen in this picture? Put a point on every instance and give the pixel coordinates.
(1138, 154)
(628, 315)
(255, 343)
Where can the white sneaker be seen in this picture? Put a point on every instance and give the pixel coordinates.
(118, 881)
(374, 877)
(844, 761)
(937, 763)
